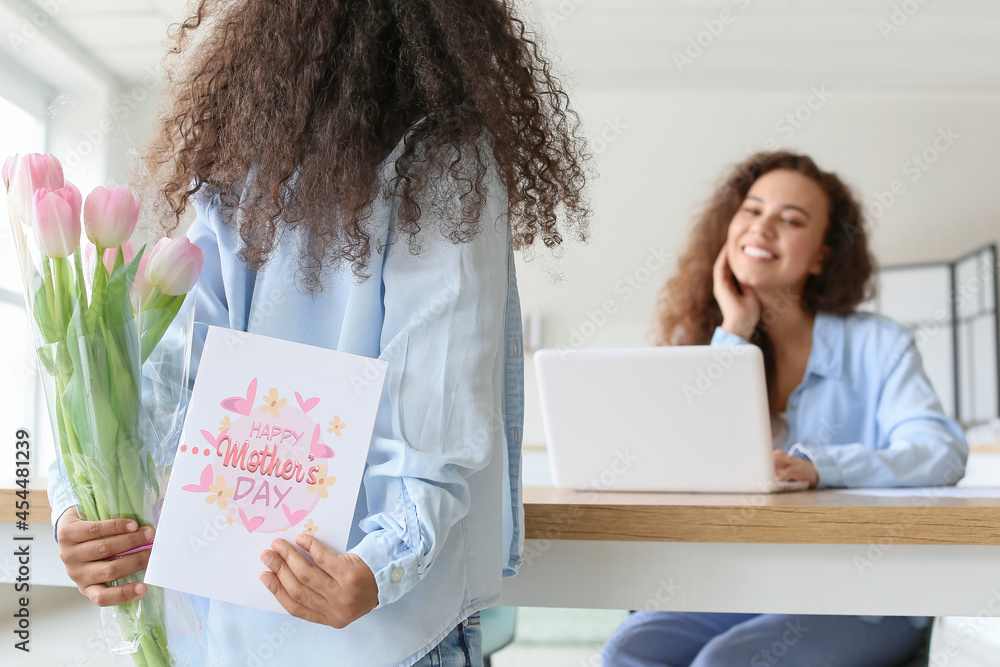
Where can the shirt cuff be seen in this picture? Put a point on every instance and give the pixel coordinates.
(723, 337)
(55, 523)
(396, 568)
(827, 468)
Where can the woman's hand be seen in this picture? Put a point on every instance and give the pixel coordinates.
(337, 591)
(740, 312)
(84, 547)
(794, 469)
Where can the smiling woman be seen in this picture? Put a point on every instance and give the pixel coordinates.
(687, 310)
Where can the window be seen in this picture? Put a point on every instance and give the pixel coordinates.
(20, 391)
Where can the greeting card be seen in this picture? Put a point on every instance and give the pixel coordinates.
(274, 444)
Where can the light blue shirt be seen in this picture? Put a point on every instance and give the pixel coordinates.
(439, 515)
(865, 413)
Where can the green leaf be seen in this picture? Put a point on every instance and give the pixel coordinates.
(155, 322)
(44, 317)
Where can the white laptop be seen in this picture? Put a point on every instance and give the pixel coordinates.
(684, 418)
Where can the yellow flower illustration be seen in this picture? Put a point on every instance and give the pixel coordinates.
(310, 528)
(225, 423)
(230, 519)
(220, 492)
(336, 426)
(322, 483)
(273, 404)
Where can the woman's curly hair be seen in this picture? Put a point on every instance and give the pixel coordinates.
(687, 312)
(313, 95)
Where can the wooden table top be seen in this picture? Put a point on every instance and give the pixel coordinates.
(927, 516)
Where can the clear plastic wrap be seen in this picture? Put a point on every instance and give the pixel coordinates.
(115, 366)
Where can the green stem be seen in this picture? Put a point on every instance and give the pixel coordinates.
(97, 301)
(79, 482)
(59, 288)
(81, 285)
(50, 299)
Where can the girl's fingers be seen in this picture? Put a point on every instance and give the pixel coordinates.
(108, 547)
(104, 572)
(290, 583)
(309, 574)
(75, 530)
(110, 596)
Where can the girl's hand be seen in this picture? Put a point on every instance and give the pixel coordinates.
(740, 312)
(794, 469)
(337, 591)
(84, 547)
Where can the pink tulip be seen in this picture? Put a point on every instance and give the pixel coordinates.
(57, 225)
(110, 254)
(30, 173)
(8, 170)
(174, 266)
(110, 215)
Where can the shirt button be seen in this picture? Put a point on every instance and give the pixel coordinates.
(396, 574)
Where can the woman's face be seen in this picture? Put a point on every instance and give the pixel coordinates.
(775, 240)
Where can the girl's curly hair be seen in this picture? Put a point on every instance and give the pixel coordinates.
(315, 94)
(687, 312)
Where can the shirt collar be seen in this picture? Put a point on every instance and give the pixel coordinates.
(827, 355)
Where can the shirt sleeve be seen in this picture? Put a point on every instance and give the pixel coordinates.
(439, 422)
(919, 445)
(209, 301)
(723, 337)
(60, 493)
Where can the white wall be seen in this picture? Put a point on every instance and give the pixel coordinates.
(658, 154)
(662, 151)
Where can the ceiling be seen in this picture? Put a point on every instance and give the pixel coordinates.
(642, 43)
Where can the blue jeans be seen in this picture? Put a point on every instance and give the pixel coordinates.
(674, 639)
(462, 647)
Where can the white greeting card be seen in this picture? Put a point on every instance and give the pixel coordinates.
(274, 444)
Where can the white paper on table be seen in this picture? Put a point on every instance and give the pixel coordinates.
(927, 491)
(313, 410)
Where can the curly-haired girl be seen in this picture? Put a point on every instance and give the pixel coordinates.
(362, 172)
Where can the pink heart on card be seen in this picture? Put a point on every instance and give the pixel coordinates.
(253, 523)
(213, 440)
(242, 406)
(206, 479)
(317, 449)
(306, 405)
(294, 517)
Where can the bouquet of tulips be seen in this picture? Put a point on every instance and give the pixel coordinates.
(99, 311)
